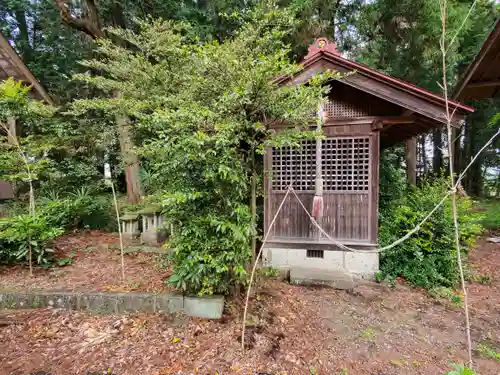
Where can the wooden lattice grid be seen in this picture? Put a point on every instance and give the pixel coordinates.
(342, 109)
(346, 164)
(294, 164)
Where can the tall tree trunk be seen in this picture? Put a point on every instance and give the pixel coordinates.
(457, 150)
(437, 157)
(130, 160)
(24, 39)
(411, 160)
(128, 154)
(474, 176)
(423, 153)
(497, 188)
(91, 25)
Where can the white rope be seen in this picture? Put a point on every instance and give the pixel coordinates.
(257, 262)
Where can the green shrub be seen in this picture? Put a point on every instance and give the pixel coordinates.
(210, 252)
(428, 258)
(20, 233)
(81, 209)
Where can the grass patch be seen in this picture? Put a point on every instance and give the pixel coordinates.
(491, 214)
(486, 352)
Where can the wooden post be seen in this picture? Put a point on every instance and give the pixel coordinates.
(411, 160)
(317, 211)
(12, 133)
(253, 210)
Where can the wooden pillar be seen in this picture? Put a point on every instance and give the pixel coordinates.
(12, 133)
(411, 160)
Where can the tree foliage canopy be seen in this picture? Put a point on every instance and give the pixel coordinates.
(186, 90)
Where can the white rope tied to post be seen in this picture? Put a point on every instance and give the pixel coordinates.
(257, 262)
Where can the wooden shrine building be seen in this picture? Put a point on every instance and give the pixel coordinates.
(365, 111)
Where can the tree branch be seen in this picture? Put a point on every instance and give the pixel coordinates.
(90, 24)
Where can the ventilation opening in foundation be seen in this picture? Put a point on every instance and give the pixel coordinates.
(315, 254)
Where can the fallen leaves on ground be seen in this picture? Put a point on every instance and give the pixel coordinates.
(373, 330)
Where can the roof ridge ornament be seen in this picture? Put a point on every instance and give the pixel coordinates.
(321, 44)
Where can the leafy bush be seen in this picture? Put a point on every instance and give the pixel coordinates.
(211, 239)
(428, 258)
(81, 209)
(21, 233)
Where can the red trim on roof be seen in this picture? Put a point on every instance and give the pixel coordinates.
(326, 52)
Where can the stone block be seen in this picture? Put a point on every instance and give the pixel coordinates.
(204, 307)
(100, 303)
(13, 300)
(363, 264)
(153, 236)
(143, 302)
(112, 303)
(339, 278)
(169, 303)
(60, 300)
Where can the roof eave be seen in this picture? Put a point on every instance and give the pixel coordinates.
(23, 69)
(492, 40)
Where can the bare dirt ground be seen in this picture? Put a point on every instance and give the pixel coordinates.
(95, 266)
(374, 330)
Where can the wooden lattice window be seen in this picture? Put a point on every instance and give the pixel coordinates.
(294, 164)
(341, 109)
(346, 164)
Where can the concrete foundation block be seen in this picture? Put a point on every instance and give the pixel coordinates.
(363, 264)
(204, 307)
(169, 303)
(153, 237)
(337, 278)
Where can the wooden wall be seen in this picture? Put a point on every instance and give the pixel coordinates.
(350, 212)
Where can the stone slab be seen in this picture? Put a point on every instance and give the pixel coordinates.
(154, 236)
(169, 303)
(113, 303)
(338, 278)
(205, 307)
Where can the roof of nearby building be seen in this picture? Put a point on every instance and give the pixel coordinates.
(481, 80)
(426, 109)
(11, 65)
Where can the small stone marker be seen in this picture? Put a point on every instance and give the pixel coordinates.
(130, 226)
(338, 278)
(153, 231)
